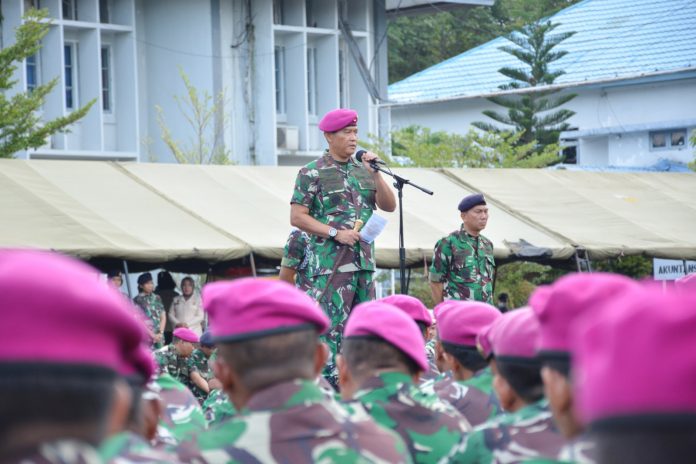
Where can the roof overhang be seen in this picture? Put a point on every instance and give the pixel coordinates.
(614, 130)
(397, 8)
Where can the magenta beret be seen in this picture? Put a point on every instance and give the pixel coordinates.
(558, 306)
(459, 322)
(140, 362)
(338, 119)
(252, 307)
(411, 306)
(514, 334)
(186, 334)
(638, 358)
(391, 324)
(56, 310)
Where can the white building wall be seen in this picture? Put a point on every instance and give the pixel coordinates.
(596, 108)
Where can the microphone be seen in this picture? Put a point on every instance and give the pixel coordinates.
(359, 156)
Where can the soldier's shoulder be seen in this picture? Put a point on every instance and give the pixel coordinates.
(486, 241)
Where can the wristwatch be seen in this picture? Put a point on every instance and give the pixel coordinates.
(333, 232)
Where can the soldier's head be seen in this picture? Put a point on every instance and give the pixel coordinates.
(510, 344)
(183, 339)
(145, 283)
(115, 278)
(474, 213)
(206, 344)
(459, 322)
(634, 372)
(379, 338)
(187, 286)
(558, 307)
(137, 372)
(340, 129)
(414, 308)
(67, 339)
(267, 332)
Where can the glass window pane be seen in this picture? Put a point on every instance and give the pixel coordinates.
(658, 140)
(678, 138)
(104, 11)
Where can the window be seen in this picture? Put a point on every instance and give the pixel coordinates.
(70, 9)
(106, 79)
(104, 12)
(342, 77)
(32, 72)
(29, 4)
(312, 80)
(70, 58)
(277, 11)
(280, 79)
(664, 140)
(309, 11)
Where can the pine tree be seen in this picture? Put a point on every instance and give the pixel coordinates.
(529, 112)
(21, 126)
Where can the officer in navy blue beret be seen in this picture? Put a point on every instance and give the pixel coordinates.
(463, 263)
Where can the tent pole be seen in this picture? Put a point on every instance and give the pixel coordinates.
(128, 285)
(253, 264)
(577, 261)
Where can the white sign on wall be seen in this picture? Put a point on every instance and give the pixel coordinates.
(671, 269)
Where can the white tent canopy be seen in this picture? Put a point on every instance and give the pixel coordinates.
(164, 213)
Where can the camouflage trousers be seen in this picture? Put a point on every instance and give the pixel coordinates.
(343, 291)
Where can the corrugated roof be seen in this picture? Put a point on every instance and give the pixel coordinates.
(615, 39)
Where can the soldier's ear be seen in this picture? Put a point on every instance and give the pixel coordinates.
(321, 357)
(345, 380)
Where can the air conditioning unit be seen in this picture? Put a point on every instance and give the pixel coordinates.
(288, 137)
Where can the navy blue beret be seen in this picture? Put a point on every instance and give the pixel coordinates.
(207, 339)
(470, 201)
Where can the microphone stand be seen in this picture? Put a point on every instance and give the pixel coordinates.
(399, 183)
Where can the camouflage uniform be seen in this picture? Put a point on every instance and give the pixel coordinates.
(218, 407)
(198, 362)
(526, 434)
(182, 416)
(59, 452)
(432, 429)
(465, 265)
(473, 398)
(169, 362)
(152, 306)
(580, 450)
(127, 447)
(342, 276)
(433, 371)
(291, 422)
(296, 255)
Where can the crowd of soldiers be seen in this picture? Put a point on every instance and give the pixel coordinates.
(598, 368)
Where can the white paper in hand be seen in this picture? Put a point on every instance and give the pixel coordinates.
(374, 226)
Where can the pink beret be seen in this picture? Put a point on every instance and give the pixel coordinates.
(483, 342)
(251, 307)
(411, 306)
(56, 310)
(688, 282)
(141, 362)
(639, 358)
(385, 321)
(514, 334)
(186, 334)
(559, 305)
(338, 119)
(461, 321)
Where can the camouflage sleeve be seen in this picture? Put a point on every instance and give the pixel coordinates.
(472, 450)
(294, 251)
(191, 365)
(441, 260)
(305, 188)
(159, 306)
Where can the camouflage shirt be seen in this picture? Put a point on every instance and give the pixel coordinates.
(473, 398)
(433, 372)
(58, 452)
(182, 416)
(580, 450)
(292, 422)
(331, 190)
(526, 434)
(152, 306)
(127, 447)
(465, 265)
(297, 255)
(431, 428)
(198, 362)
(169, 362)
(218, 407)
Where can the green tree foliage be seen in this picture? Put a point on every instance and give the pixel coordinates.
(420, 147)
(530, 112)
(200, 109)
(21, 126)
(418, 42)
(636, 266)
(692, 165)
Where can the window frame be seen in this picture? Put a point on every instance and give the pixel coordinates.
(72, 8)
(280, 79)
(37, 71)
(312, 89)
(668, 134)
(74, 75)
(104, 11)
(110, 78)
